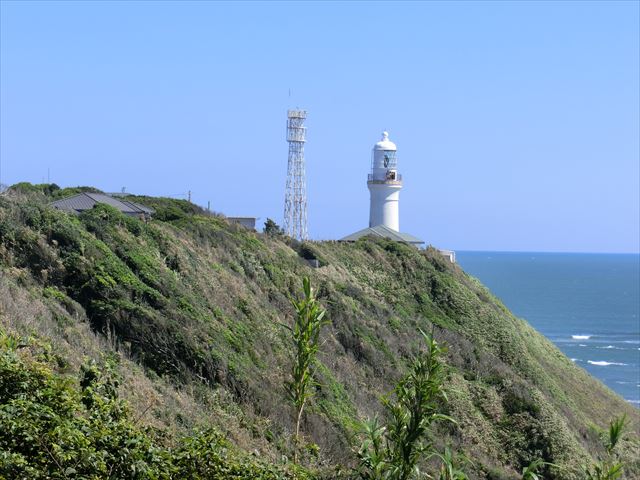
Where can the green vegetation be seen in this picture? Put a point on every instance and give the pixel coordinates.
(305, 334)
(190, 306)
(395, 450)
(54, 427)
(272, 229)
(610, 466)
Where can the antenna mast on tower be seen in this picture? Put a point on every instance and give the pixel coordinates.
(295, 200)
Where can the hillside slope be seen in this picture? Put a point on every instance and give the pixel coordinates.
(193, 306)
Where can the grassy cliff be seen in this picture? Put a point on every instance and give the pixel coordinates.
(192, 306)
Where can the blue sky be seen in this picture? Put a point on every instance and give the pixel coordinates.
(517, 124)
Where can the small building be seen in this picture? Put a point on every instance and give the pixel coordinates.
(448, 254)
(246, 222)
(87, 200)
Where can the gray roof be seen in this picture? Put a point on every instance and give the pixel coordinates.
(87, 200)
(384, 232)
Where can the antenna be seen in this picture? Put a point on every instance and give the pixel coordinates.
(295, 200)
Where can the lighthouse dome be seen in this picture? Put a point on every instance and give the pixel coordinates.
(385, 144)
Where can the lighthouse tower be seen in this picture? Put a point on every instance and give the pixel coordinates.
(384, 184)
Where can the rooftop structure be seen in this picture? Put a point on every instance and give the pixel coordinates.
(86, 201)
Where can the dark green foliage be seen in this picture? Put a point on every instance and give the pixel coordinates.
(168, 209)
(272, 229)
(50, 429)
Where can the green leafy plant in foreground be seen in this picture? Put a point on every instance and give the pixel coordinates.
(609, 467)
(393, 451)
(450, 470)
(305, 334)
(532, 471)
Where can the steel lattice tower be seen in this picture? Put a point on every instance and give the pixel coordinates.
(295, 200)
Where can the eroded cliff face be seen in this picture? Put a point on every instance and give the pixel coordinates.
(194, 306)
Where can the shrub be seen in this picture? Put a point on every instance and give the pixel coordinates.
(393, 450)
(50, 429)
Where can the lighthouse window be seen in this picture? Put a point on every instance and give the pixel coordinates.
(389, 159)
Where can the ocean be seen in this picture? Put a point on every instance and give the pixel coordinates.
(587, 304)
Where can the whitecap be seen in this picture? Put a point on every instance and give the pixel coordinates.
(575, 359)
(633, 401)
(581, 337)
(609, 347)
(581, 345)
(622, 383)
(631, 341)
(602, 363)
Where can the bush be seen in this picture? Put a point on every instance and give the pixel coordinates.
(51, 429)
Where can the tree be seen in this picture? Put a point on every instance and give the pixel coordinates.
(305, 334)
(272, 229)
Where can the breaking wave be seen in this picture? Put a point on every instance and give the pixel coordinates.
(606, 364)
(581, 337)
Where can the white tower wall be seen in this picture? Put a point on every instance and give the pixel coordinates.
(384, 184)
(385, 206)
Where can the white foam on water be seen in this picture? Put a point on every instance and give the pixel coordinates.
(581, 337)
(581, 345)
(575, 359)
(609, 347)
(602, 363)
(637, 402)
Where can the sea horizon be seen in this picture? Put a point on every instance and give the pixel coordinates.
(552, 252)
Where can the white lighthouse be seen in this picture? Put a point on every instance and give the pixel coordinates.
(384, 184)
